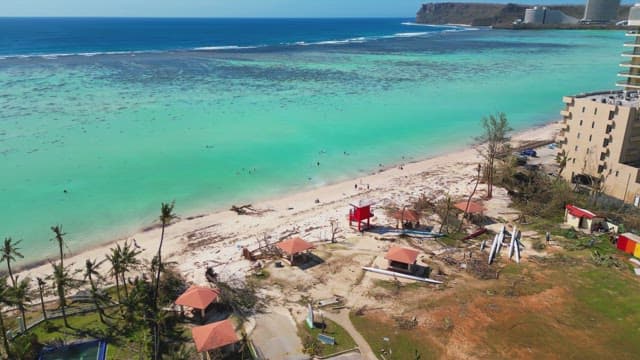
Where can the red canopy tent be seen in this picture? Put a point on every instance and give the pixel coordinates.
(214, 336)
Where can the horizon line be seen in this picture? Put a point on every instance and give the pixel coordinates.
(203, 17)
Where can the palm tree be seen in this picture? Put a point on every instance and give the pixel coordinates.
(166, 216)
(60, 281)
(41, 285)
(10, 253)
(115, 258)
(91, 272)
(57, 229)
(128, 260)
(21, 297)
(562, 159)
(6, 298)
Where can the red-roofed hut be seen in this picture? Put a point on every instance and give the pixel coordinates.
(294, 247)
(583, 219)
(406, 218)
(198, 297)
(218, 335)
(402, 259)
(361, 212)
(474, 207)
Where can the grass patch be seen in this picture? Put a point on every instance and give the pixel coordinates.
(310, 338)
(404, 344)
(398, 286)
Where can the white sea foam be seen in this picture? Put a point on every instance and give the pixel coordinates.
(411, 34)
(226, 47)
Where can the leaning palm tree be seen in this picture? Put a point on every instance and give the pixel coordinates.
(21, 297)
(9, 254)
(115, 258)
(562, 159)
(6, 298)
(166, 216)
(41, 285)
(91, 273)
(61, 280)
(57, 229)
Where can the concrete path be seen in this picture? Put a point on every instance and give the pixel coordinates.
(342, 319)
(275, 337)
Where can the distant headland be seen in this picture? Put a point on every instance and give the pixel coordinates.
(516, 16)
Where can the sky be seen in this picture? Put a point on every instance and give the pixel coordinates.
(228, 8)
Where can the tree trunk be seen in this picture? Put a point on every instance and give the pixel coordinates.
(118, 289)
(124, 286)
(156, 340)
(13, 280)
(466, 209)
(64, 312)
(96, 303)
(24, 317)
(44, 311)
(4, 336)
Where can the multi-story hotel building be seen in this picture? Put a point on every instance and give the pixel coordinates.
(601, 130)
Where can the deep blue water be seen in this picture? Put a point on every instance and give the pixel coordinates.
(32, 36)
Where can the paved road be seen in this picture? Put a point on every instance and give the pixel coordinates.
(276, 337)
(342, 318)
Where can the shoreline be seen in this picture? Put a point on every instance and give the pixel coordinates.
(286, 214)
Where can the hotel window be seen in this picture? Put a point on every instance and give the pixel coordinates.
(611, 114)
(609, 127)
(573, 161)
(595, 112)
(605, 142)
(602, 156)
(580, 122)
(590, 136)
(578, 135)
(587, 150)
(593, 123)
(617, 172)
(600, 169)
(583, 108)
(576, 148)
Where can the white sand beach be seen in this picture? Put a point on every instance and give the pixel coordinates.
(216, 239)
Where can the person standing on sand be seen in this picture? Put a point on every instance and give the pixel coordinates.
(548, 237)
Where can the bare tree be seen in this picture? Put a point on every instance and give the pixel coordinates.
(335, 229)
(466, 208)
(494, 142)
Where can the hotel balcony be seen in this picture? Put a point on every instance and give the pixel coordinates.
(630, 86)
(629, 64)
(629, 75)
(632, 33)
(631, 54)
(567, 100)
(565, 113)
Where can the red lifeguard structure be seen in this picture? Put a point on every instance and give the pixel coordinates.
(361, 212)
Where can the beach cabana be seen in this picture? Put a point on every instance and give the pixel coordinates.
(475, 207)
(198, 297)
(583, 219)
(402, 259)
(294, 247)
(406, 216)
(219, 335)
(361, 212)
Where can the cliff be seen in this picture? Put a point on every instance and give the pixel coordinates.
(481, 14)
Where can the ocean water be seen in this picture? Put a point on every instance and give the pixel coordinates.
(124, 114)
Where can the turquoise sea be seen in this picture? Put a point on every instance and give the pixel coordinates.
(123, 128)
